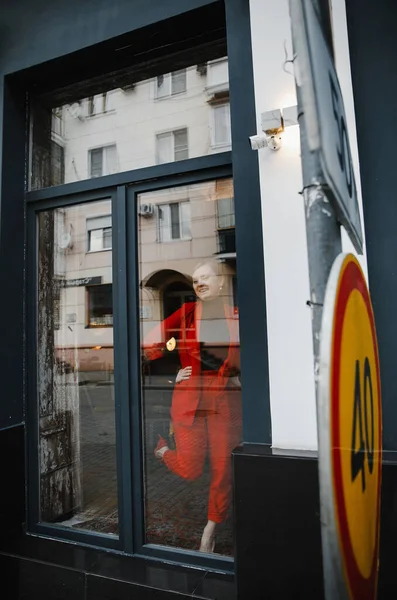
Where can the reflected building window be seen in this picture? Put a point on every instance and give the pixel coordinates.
(221, 132)
(57, 151)
(226, 226)
(218, 75)
(100, 305)
(57, 163)
(99, 233)
(97, 104)
(175, 295)
(103, 161)
(174, 221)
(172, 146)
(171, 84)
(57, 125)
(226, 217)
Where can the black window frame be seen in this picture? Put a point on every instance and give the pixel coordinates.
(122, 189)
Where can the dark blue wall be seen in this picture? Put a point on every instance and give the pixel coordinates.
(32, 33)
(373, 49)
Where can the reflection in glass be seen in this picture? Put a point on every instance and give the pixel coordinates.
(78, 485)
(191, 391)
(171, 117)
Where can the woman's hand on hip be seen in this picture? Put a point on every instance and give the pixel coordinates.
(184, 374)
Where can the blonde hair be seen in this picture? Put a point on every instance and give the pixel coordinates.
(216, 266)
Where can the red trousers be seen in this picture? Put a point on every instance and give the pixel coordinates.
(216, 428)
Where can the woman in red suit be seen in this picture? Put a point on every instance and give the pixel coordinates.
(206, 402)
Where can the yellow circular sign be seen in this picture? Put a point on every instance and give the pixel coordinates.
(350, 402)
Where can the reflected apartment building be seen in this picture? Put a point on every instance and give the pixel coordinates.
(172, 117)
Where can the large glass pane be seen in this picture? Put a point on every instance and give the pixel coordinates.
(161, 119)
(191, 391)
(78, 482)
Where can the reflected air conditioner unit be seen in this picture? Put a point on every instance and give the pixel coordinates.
(146, 210)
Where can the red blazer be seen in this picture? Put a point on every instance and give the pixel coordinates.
(186, 320)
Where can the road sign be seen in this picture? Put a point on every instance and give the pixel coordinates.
(350, 435)
(325, 116)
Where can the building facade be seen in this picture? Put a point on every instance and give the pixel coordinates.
(158, 422)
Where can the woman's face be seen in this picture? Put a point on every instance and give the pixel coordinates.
(206, 283)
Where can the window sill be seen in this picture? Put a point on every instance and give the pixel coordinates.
(100, 114)
(223, 146)
(187, 239)
(101, 250)
(170, 96)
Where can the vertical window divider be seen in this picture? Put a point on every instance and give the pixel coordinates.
(137, 442)
(122, 361)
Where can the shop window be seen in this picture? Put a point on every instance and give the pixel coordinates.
(172, 146)
(157, 306)
(103, 161)
(221, 133)
(100, 305)
(174, 221)
(99, 233)
(171, 84)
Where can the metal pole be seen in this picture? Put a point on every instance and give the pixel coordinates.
(323, 246)
(322, 234)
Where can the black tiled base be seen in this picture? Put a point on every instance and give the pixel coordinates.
(100, 588)
(28, 580)
(278, 544)
(277, 526)
(387, 585)
(12, 498)
(105, 574)
(211, 586)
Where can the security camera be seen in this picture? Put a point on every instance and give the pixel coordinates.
(274, 141)
(258, 141)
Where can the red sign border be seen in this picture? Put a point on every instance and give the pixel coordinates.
(351, 278)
